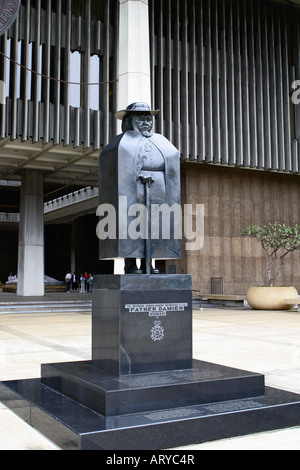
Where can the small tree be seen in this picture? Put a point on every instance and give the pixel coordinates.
(277, 241)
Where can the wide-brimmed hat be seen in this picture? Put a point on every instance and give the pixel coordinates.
(136, 108)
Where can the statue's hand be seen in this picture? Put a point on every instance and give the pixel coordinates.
(146, 179)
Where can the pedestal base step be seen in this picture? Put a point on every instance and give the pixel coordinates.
(74, 426)
(111, 394)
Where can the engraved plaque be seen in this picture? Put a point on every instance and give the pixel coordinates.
(226, 407)
(146, 381)
(172, 414)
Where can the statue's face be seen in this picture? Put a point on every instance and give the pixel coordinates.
(143, 124)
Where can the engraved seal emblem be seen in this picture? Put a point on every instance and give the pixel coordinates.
(157, 332)
(8, 13)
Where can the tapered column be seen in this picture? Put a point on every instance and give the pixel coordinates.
(134, 83)
(73, 246)
(134, 53)
(31, 235)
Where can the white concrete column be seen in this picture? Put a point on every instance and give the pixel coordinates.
(134, 53)
(73, 245)
(134, 72)
(31, 235)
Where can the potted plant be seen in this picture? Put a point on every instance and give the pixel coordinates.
(277, 241)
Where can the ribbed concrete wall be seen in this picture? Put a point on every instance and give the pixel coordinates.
(38, 107)
(222, 72)
(233, 199)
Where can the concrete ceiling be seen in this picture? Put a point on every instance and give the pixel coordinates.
(61, 165)
(286, 2)
(295, 2)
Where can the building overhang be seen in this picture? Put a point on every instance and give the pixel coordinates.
(60, 164)
(287, 3)
(295, 2)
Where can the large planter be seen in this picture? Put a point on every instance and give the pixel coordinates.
(272, 298)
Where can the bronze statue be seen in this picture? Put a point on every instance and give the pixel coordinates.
(144, 167)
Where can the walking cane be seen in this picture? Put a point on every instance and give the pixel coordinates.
(147, 181)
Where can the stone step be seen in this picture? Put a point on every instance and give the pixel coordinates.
(111, 394)
(45, 307)
(73, 426)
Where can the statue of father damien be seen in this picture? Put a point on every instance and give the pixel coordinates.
(140, 167)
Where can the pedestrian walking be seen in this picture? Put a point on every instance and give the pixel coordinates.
(68, 280)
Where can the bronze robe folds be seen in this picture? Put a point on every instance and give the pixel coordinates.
(127, 157)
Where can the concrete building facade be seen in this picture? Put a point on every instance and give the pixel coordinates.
(224, 75)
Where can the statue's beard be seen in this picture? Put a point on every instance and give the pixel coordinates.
(146, 131)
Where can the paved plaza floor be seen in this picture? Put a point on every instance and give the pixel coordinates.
(267, 342)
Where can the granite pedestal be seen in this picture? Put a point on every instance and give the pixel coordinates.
(142, 389)
(211, 403)
(142, 323)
